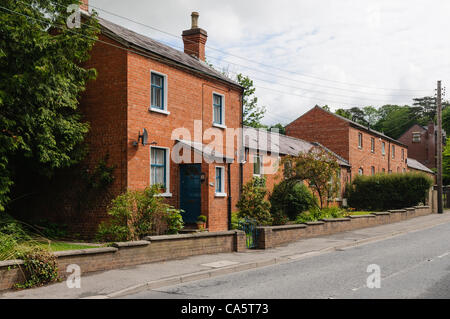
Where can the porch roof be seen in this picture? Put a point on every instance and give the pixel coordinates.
(205, 150)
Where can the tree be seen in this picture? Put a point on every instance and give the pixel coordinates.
(371, 115)
(318, 168)
(280, 128)
(41, 78)
(253, 204)
(253, 114)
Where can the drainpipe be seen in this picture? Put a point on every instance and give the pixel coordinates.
(389, 157)
(229, 195)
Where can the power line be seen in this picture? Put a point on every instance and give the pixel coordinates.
(263, 72)
(255, 62)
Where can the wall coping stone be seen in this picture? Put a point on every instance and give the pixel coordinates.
(397, 210)
(125, 244)
(361, 216)
(343, 219)
(12, 262)
(426, 206)
(284, 227)
(315, 223)
(380, 213)
(88, 251)
(194, 235)
(410, 208)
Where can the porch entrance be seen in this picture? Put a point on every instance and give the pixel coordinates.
(190, 191)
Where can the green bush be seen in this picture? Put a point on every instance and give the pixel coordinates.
(136, 214)
(388, 191)
(253, 204)
(290, 198)
(315, 214)
(39, 266)
(235, 220)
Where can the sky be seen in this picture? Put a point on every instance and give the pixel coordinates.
(342, 53)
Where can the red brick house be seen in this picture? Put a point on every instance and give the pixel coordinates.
(421, 141)
(367, 151)
(184, 105)
(265, 149)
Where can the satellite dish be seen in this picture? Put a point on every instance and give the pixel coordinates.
(143, 136)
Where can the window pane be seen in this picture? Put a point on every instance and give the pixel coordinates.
(257, 165)
(157, 97)
(157, 80)
(217, 100)
(158, 166)
(158, 156)
(218, 180)
(217, 114)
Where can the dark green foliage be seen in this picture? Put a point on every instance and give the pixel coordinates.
(136, 214)
(253, 204)
(39, 267)
(41, 79)
(290, 198)
(388, 191)
(202, 218)
(51, 230)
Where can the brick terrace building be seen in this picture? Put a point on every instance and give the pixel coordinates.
(184, 105)
(264, 150)
(421, 141)
(367, 151)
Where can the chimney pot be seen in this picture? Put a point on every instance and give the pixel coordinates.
(194, 18)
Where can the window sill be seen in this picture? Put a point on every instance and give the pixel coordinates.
(219, 125)
(152, 109)
(164, 195)
(220, 195)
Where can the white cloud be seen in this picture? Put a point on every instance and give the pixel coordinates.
(374, 43)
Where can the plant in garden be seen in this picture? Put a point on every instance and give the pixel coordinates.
(39, 266)
(41, 78)
(289, 198)
(253, 203)
(318, 167)
(316, 213)
(139, 213)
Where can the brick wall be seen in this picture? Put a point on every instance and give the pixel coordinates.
(423, 151)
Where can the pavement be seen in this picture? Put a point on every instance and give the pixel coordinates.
(132, 281)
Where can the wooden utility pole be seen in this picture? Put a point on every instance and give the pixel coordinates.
(439, 147)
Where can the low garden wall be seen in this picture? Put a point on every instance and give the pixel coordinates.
(123, 254)
(272, 236)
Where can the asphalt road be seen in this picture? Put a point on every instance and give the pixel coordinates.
(414, 265)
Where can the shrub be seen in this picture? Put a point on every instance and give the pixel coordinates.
(388, 191)
(136, 214)
(290, 198)
(40, 267)
(235, 220)
(253, 204)
(316, 213)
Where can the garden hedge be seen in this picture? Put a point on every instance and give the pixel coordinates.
(388, 191)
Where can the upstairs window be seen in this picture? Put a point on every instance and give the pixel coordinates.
(383, 148)
(372, 170)
(403, 154)
(393, 151)
(158, 91)
(218, 109)
(416, 137)
(360, 140)
(257, 165)
(372, 145)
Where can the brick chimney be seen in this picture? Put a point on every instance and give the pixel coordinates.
(194, 39)
(84, 5)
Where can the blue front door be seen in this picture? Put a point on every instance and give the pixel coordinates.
(190, 191)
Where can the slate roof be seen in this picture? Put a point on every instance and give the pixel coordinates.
(415, 164)
(139, 42)
(205, 150)
(267, 141)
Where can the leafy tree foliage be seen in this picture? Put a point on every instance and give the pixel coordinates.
(253, 204)
(253, 114)
(41, 78)
(318, 168)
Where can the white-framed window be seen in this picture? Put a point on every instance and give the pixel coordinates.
(160, 168)
(257, 165)
(372, 170)
(393, 151)
(218, 110)
(383, 148)
(220, 182)
(158, 92)
(403, 154)
(416, 137)
(372, 145)
(360, 140)
(360, 171)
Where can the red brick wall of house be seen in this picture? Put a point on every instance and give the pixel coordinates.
(365, 159)
(189, 99)
(423, 151)
(318, 125)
